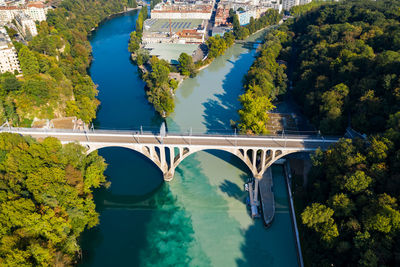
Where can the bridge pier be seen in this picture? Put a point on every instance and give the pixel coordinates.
(169, 175)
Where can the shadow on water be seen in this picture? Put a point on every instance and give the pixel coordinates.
(207, 204)
(223, 107)
(232, 190)
(171, 233)
(141, 222)
(274, 246)
(125, 208)
(261, 247)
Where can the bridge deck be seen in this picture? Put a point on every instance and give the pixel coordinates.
(306, 143)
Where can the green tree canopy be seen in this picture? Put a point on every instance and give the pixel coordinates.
(45, 200)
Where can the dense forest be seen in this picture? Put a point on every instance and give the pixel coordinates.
(347, 65)
(265, 80)
(45, 200)
(55, 82)
(346, 61)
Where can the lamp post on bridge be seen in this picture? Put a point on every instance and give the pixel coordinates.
(162, 132)
(235, 138)
(190, 136)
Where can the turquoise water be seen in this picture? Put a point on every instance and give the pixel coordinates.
(198, 219)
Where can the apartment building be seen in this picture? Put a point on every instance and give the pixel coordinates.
(37, 11)
(244, 16)
(26, 25)
(288, 4)
(8, 55)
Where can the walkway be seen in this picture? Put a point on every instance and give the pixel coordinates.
(267, 197)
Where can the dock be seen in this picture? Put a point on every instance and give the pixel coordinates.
(253, 202)
(267, 197)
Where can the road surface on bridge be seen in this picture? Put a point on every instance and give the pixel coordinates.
(115, 137)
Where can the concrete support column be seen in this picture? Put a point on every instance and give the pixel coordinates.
(263, 157)
(254, 159)
(152, 152)
(245, 154)
(180, 152)
(163, 161)
(171, 156)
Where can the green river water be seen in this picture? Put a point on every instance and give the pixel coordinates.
(200, 218)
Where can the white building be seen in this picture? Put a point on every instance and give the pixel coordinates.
(8, 54)
(7, 13)
(26, 25)
(244, 16)
(180, 11)
(35, 10)
(288, 4)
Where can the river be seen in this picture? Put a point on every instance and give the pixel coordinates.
(199, 218)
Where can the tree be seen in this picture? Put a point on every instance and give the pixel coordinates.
(132, 3)
(254, 113)
(42, 211)
(186, 65)
(332, 105)
(319, 218)
(28, 61)
(142, 56)
(134, 42)
(9, 83)
(342, 204)
(87, 109)
(216, 46)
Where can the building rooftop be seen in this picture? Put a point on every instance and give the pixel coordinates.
(182, 8)
(171, 52)
(163, 25)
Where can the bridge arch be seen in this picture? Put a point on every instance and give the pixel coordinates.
(258, 159)
(143, 150)
(190, 151)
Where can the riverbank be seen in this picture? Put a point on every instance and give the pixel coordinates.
(111, 16)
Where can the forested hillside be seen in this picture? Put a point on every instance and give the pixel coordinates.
(347, 69)
(347, 73)
(45, 200)
(265, 80)
(55, 82)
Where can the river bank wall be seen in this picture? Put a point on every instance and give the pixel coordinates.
(288, 176)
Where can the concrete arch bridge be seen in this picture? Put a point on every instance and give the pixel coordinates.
(257, 152)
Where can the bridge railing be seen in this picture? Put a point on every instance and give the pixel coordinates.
(152, 132)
